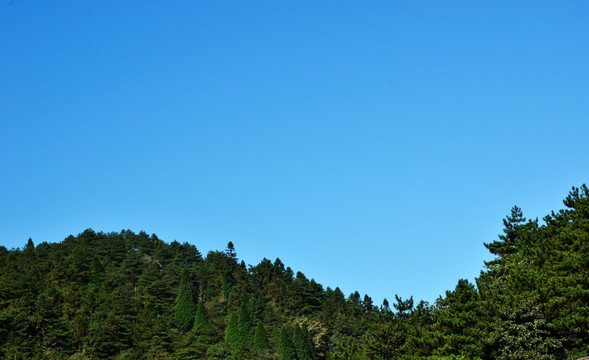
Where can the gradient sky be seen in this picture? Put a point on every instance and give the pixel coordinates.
(372, 145)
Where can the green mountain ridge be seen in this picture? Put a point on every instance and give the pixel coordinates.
(126, 295)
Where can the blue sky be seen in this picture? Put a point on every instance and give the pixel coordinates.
(371, 145)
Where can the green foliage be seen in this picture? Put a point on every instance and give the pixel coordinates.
(521, 333)
(222, 351)
(132, 296)
(191, 347)
(303, 343)
(232, 331)
(261, 338)
(286, 350)
(509, 241)
(244, 326)
(201, 320)
(185, 309)
(458, 321)
(383, 341)
(403, 307)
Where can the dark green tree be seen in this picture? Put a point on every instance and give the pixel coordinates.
(232, 331)
(516, 229)
(201, 320)
(261, 338)
(230, 252)
(303, 343)
(97, 274)
(245, 326)
(458, 326)
(403, 307)
(191, 347)
(382, 341)
(368, 304)
(185, 305)
(286, 350)
(29, 250)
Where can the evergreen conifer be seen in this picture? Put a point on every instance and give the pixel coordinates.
(303, 343)
(261, 338)
(201, 320)
(232, 331)
(244, 325)
(185, 306)
(286, 350)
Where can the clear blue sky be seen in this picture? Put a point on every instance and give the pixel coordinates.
(371, 145)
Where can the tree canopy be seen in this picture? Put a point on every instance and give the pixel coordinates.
(133, 296)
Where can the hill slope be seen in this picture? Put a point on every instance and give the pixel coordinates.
(133, 296)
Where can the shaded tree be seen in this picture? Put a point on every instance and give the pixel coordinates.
(185, 309)
(261, 338)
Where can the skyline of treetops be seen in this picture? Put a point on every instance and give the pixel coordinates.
(127, 295)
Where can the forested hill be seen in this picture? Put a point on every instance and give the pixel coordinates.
(133, 296)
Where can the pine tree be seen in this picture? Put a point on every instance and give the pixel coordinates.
(230, 252)
(232, 331)
(286, 350)
(517, 229)
(458, 321)
(368, 304)
(97, 274)
(192, 347)
(185, 306)
(30, 247)
(382, 341)
(303, 343)
(201, 320)
(273, 324)
(403, 307)
(310, 352)
(260, 337)
(385, 308)
(244, 325)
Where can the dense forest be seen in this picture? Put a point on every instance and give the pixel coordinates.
(133, 296)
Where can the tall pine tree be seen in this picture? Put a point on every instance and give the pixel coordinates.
(303, 343)
(201, 320)
(286, 350)
(261, 338)
(232, 331)
(185, 306)
(245, 325)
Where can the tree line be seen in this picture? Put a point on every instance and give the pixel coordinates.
(126, 295)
